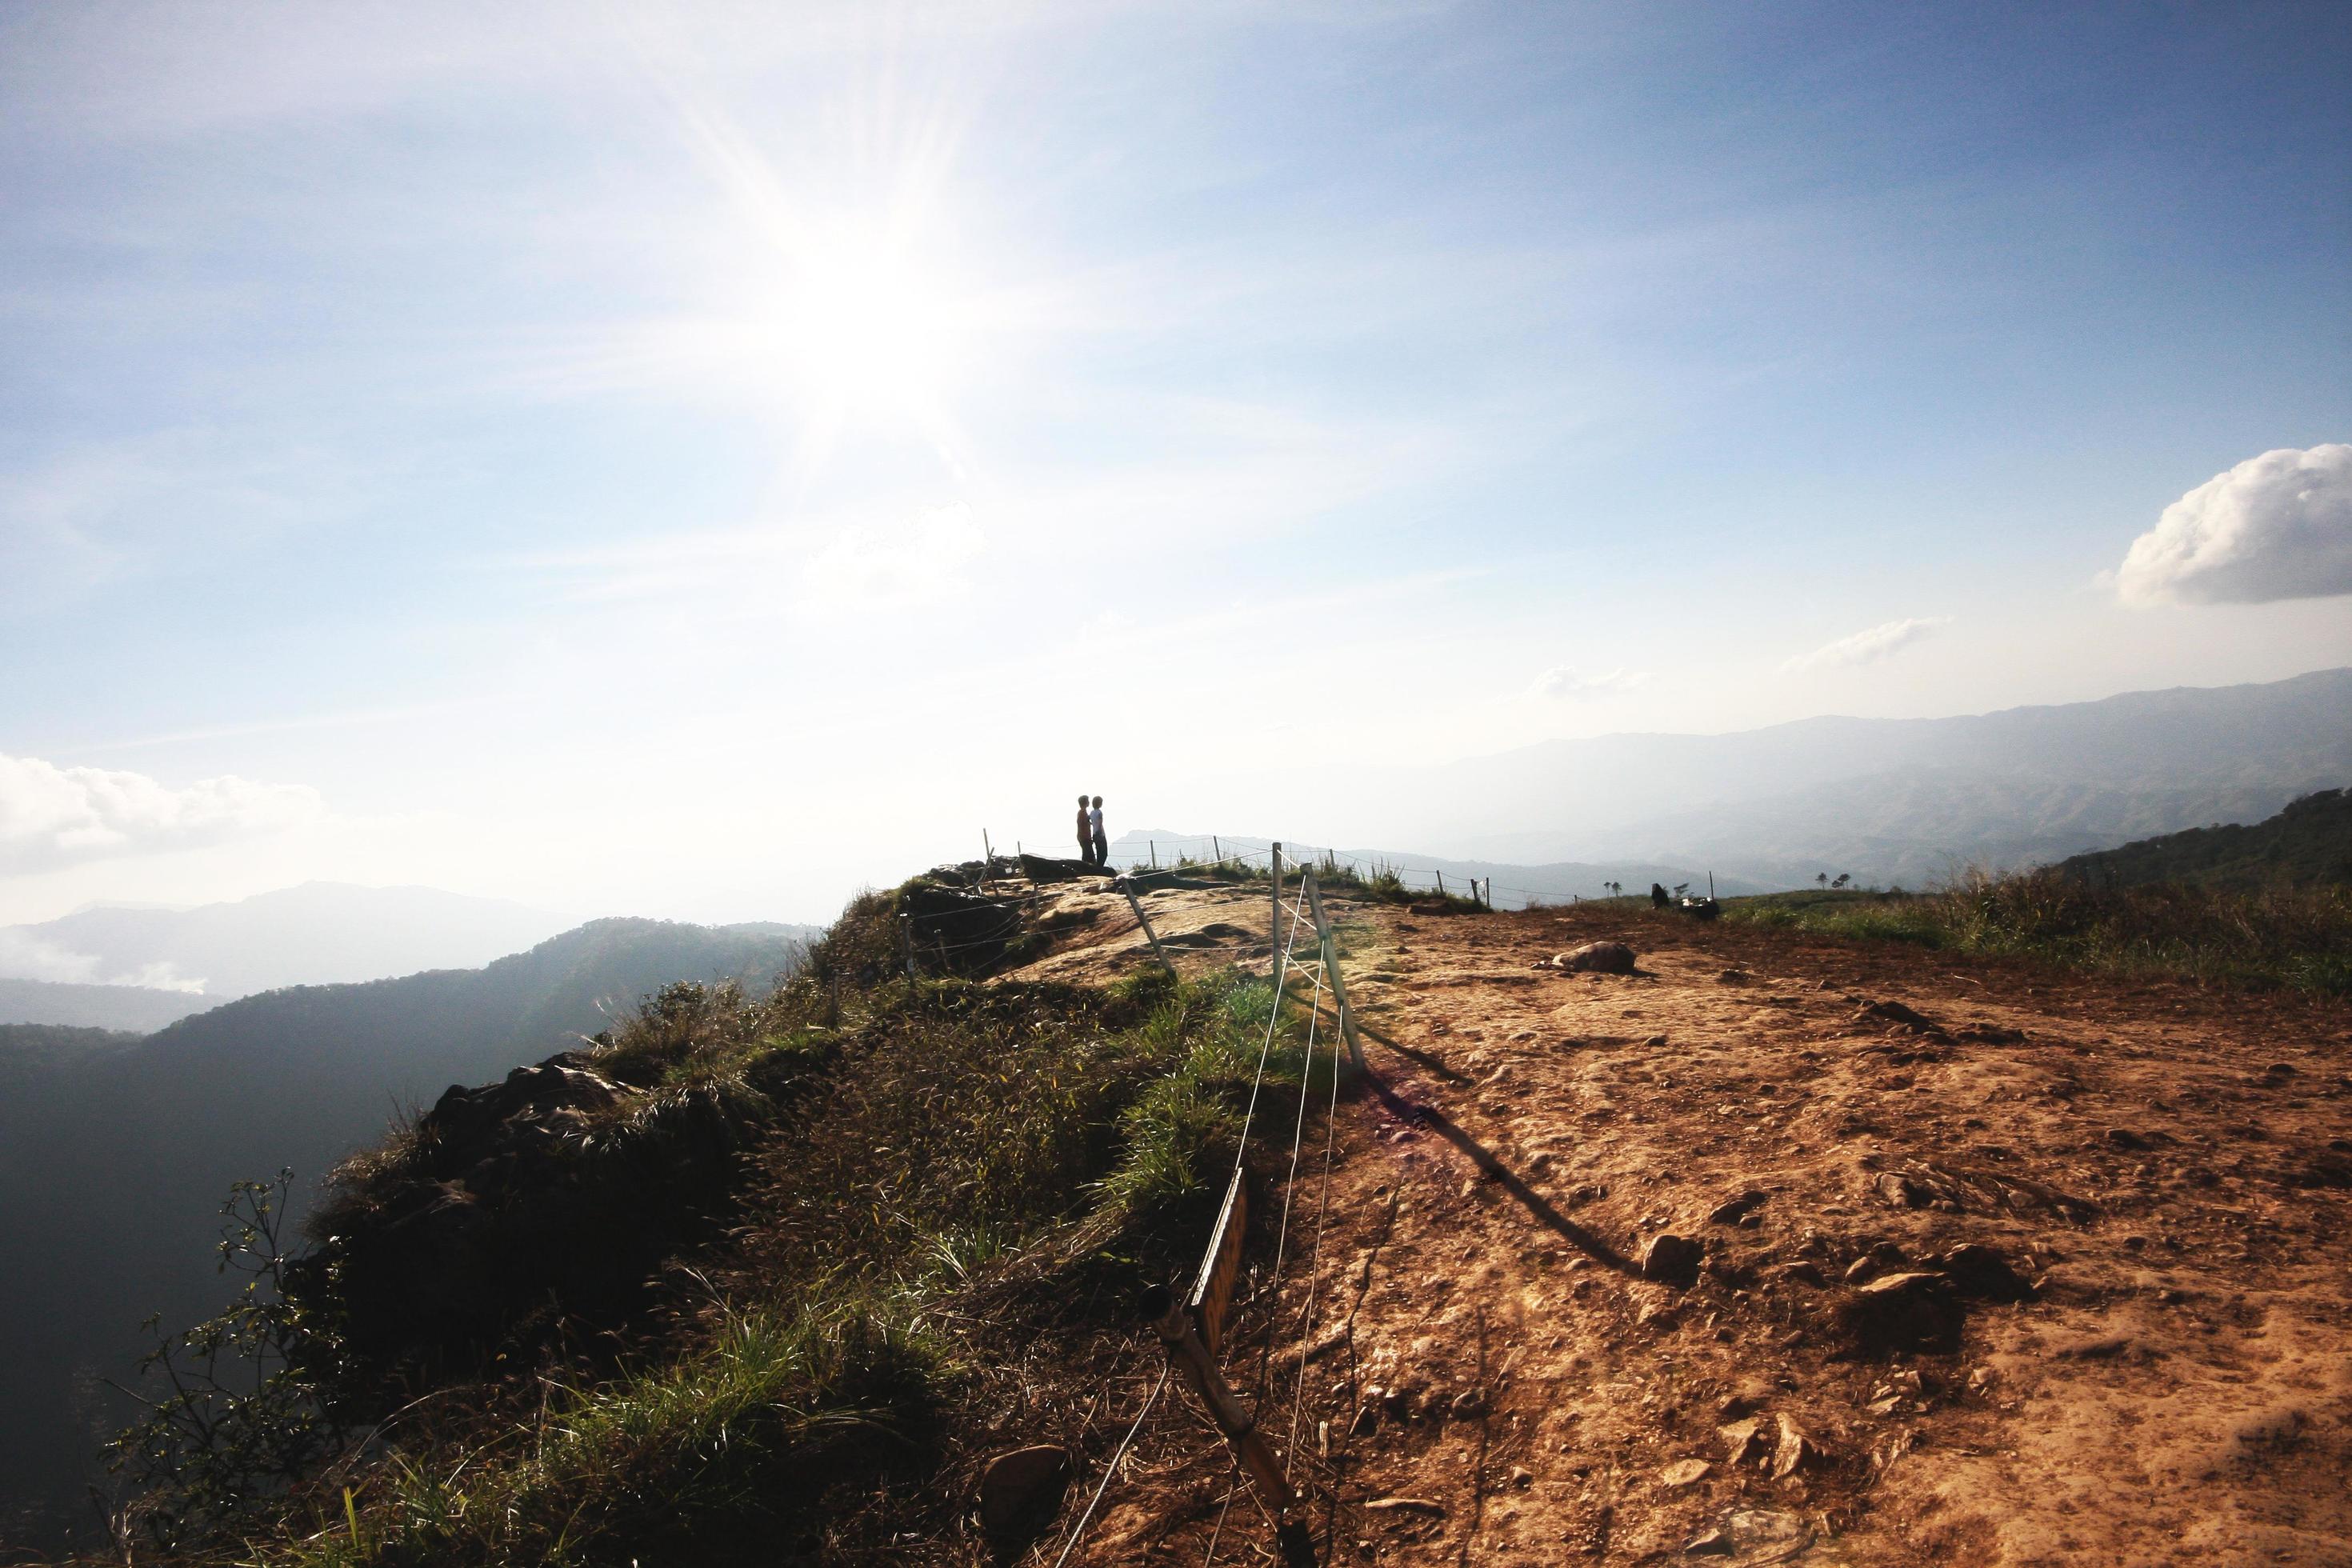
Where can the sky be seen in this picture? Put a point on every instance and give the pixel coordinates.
(699, 459)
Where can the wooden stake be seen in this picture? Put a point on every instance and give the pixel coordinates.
(1441, 884)
(1145, 922)
(1330, 946)
(1173, 1324)
(906, 944)
(1275, 952)
(987, 859)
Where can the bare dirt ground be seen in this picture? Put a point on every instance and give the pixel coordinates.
(2144, 1356)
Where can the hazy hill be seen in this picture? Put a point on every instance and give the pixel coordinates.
(316, 934)
(1901, 800)
(2308, 844)
(113, 1161)
(137, 1008)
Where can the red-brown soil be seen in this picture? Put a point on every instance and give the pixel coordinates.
(2162, 1171)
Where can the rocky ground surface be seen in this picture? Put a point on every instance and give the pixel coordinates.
(1774, 1249)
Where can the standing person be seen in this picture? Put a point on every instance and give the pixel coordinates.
(1102, 841)
(1085, 832)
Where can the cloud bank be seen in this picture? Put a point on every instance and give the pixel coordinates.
(1867, 647)
(1560, 681)
(52, 817)
(2275, 527)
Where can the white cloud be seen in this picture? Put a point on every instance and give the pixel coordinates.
(2275, 527)
(52, 817)
(1869, 645)
(1560, 681)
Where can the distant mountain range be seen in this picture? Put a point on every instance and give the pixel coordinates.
(320, 933)
(1891, 800)
(115, 1151)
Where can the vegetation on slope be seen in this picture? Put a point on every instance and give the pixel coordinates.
(2308, 845)
(956, 1193)
(2295, 938)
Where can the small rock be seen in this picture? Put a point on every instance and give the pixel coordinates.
(1022, 1485)
(1655, 1040)
(1468, 1405)
(1522, 1478)
(1672, 1260)
(1708, 1543)
(1896, 1312)
(1978, 1270)
(1368, 1417)
(1801, 1272)
(1660, 1313)
(1743, 1439)
(1732, 977)
(1895, 1013)
(2125, 1138)
(1731, 1211)
(1903, 1192)
(1797, 1451)
(1597, 958)
(1684, 1473)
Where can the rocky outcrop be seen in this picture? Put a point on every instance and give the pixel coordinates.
(524, 1212)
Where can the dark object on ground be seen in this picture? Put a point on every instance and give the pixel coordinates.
(1042, 869)
(1978, 1271)
(1019, 1492)
(1899, 1314)
(1596, 958)
(1702, 908)
(1659, 898)
(1671, 1259)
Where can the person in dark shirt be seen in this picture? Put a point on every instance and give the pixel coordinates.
(1086, 834)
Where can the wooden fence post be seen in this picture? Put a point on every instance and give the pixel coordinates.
(1145, 922)
(1173, 1324)
(1275, 952)
(1330, 946)
(906, 944)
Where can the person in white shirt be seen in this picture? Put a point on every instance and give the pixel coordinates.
(1102, 842)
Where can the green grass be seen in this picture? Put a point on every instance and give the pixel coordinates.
(821, 1371)
(2292, 938)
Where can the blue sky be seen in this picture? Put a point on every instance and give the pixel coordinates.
(695, 459)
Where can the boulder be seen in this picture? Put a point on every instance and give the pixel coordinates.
(1671, 1259)
(1914, 1310)
(1022, 1488)
(1596, 958)
(1977, 1270)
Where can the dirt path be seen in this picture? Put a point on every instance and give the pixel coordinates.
(2145, 1356)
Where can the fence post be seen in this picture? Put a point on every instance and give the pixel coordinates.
(1145, 922)
(1441, 884)
(987, 859)
(1173, 1324)
(1154, 845)
(906, 943)
(1276, 951)
(1330, 946)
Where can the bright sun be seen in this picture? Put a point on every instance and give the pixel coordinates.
(858, 326)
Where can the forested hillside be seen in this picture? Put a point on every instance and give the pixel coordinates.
(2308, 845)
(115, 1158)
